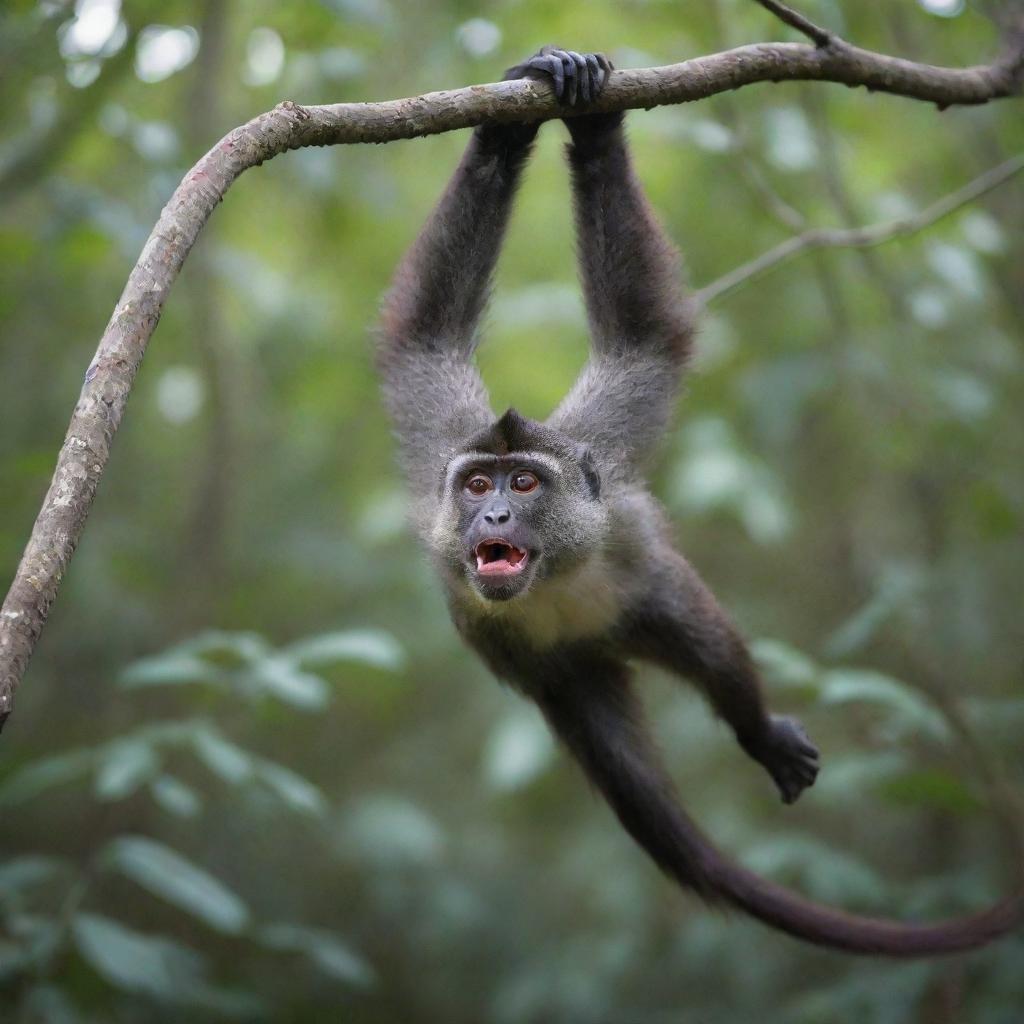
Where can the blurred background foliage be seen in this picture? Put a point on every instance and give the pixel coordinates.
(253, 775)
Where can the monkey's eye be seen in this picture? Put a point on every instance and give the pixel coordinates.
(478, 485)
(524, 483)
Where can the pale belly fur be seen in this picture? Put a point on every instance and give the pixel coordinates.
(571, 607)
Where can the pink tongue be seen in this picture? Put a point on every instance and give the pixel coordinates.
(500, 565)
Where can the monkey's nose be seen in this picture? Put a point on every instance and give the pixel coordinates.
(497, 516)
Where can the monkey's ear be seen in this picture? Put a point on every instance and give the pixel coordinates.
(590, 473)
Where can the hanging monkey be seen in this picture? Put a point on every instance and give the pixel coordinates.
(555, 559)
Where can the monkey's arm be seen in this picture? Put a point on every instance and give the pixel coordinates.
(431, 314)
(641, 322)
(682, 627)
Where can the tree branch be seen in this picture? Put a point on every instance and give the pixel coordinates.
(861, 238)
(109, 379)
(818, 35)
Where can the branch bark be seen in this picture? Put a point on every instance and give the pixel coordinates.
(109, 379)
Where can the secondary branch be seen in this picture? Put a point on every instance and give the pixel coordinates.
(861, 238)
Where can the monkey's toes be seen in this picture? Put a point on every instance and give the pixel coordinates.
(792, 760)
(793, 780)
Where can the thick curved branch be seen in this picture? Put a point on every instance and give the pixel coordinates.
(861, 238)
(110, 376)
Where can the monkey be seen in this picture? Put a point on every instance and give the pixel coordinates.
(556, 561)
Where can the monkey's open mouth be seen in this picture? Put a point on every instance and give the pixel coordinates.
(499, 558)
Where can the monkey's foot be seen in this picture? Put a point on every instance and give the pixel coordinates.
(789, 756)
(577, 78)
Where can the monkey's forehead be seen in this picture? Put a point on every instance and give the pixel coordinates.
(511, 460)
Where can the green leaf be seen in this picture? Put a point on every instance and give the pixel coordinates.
(36, 941)
(843, 686)
(390, 831)
(124, 766)
(897, 590)
(937, 789)
(175, 797)
(47, 773)
(175, 668)
(47, 1004)
(135, 962)
(38, 935)
(170, 876)
(26, 872)
(784, 665)
(366, 646)
(155, 966)
(282, 678)
(292, 788)
(824, 872)
(221, 756)
(850, 776)
(518, 750)
(229, 650)
(327, 952)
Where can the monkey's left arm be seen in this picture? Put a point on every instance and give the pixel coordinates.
(431, 315)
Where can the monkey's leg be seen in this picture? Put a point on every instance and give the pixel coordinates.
(683, 628)
(589, 703)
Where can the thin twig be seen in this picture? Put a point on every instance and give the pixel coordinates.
(818, 35)
(842, 200)
(863, 237)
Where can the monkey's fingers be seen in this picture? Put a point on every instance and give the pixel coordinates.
(571, 78)
(793, 779)
(554, 67)
(595, 77)
(799, 776)
(791, 758)
(590, 71)
(582, 75)
(790, 790)
(575, 78)
(606, 66)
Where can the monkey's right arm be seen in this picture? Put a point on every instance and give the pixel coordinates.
(681, 626)
(431, 315)
(641, 322)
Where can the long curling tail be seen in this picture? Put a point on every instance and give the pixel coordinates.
(598, 718)
(853, 933)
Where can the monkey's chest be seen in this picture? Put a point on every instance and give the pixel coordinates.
(557, 612)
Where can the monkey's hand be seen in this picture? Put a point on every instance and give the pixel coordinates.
(787, 754)
(576, 78)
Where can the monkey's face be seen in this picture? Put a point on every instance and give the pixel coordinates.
(510, 521)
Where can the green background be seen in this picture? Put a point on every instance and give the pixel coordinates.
(252, 774)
